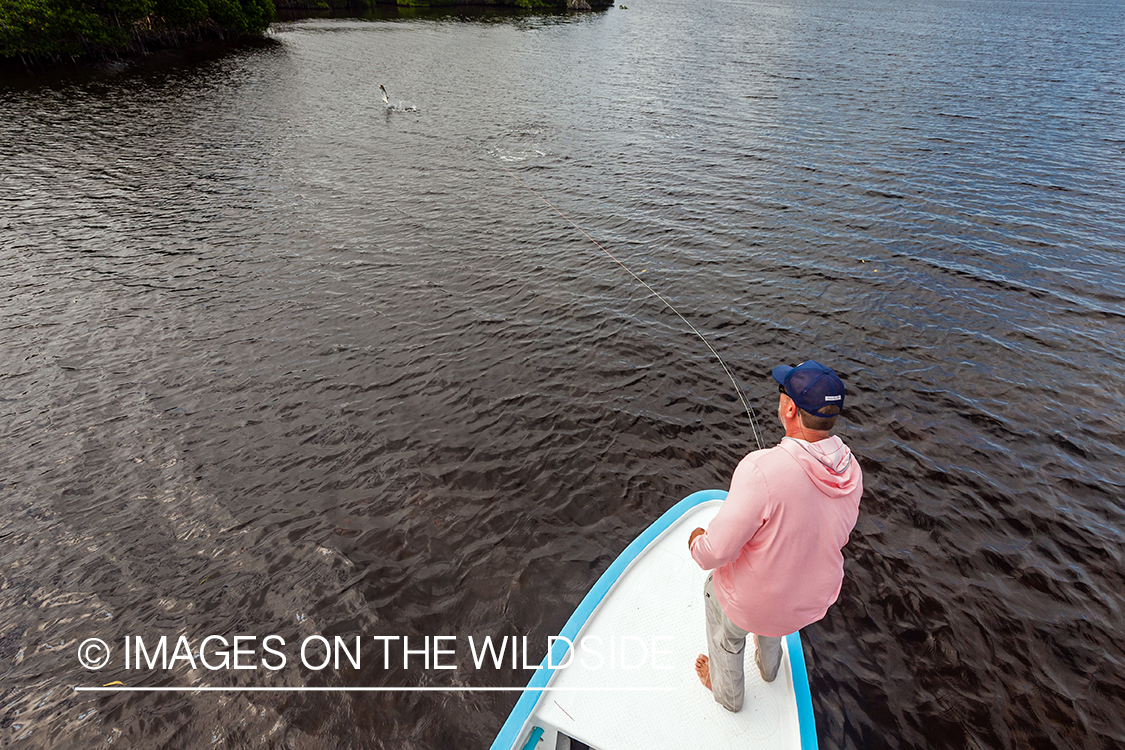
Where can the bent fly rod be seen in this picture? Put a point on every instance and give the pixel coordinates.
(741, 396)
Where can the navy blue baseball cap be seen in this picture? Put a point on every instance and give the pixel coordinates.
(813, 387)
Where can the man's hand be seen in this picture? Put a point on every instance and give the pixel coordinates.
(694, 534)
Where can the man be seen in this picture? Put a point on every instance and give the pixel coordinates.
(774, 548)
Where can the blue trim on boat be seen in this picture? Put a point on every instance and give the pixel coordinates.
(801, 691)
(509, 733)
(533, 738)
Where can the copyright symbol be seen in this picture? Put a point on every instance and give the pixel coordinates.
(93, 653)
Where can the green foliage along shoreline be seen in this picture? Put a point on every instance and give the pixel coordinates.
(45, 31)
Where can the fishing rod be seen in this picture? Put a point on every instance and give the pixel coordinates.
(741, 396)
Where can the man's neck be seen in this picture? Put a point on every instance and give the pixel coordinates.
(803, 433)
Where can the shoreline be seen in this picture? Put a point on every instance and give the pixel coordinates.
(156, 45)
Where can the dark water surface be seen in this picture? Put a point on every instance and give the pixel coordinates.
(277, 360)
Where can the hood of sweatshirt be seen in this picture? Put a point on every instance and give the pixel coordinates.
(828, 462)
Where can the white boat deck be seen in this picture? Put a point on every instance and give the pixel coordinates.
(660, 596)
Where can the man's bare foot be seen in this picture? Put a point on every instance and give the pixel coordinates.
(703, 669)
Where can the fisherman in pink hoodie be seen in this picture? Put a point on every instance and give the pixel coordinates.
(774, 548)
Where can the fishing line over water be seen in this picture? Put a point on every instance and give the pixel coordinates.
(738, 389)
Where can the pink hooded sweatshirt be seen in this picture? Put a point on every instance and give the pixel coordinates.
(775, 545)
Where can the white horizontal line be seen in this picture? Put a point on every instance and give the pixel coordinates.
(122, 689)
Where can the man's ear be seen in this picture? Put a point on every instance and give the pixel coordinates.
(791, 409)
